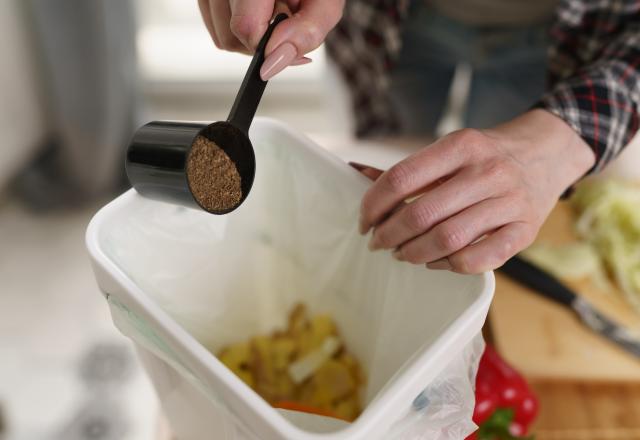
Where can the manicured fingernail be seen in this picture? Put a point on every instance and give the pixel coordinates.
(441, 264)
(373, 245)
(301, 61)
(358, 166)
(277, 60)
(397, 255)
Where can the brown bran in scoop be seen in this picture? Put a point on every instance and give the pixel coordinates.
(213, 177)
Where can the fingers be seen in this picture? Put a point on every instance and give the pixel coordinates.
(205, 11)
(463, 190)
(221, 16)
(474, 204)
(491, 252)
(458, 231)
(303, 32)
(238, 25)
(249, 20)
(407, 178)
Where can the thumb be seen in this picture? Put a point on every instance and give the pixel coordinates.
(303, 32)
(249, 20)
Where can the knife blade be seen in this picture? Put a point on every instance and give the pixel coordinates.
(548, 286)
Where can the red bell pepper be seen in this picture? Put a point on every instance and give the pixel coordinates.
(505, 405)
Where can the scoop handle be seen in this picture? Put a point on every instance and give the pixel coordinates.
(252, 87)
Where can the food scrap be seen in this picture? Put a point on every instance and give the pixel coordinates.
(608, 250)
(609, 220)
(569, 261)
(305, 367)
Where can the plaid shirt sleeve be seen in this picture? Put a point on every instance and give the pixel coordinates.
(595, 72)
(594, 67)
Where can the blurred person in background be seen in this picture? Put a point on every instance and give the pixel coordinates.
(84, 62)
(486, 190)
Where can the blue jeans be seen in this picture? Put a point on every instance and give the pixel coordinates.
(508, 65)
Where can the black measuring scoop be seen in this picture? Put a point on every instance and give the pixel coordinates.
(158, 153)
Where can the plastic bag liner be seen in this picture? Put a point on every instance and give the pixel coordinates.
(223, 279)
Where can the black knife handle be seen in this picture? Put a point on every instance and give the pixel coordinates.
(531, 276)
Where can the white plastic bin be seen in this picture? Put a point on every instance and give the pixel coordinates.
(179, 280)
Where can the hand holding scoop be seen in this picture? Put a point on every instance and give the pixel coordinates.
(200, 165)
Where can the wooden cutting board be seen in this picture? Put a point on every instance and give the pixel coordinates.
(587, 411)
(546, 341)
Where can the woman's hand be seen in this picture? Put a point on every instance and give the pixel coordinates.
(238, 25)
(483, 194)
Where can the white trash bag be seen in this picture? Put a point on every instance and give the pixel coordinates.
(179, 280)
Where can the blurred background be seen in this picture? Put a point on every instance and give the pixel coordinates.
(78, 78)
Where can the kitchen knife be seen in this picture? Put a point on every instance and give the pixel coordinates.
(543, 283)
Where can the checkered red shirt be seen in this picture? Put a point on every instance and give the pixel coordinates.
(594, 67)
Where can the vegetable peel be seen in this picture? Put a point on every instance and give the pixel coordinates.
(609, 219)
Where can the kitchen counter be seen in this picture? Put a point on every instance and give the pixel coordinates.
(587, 411)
